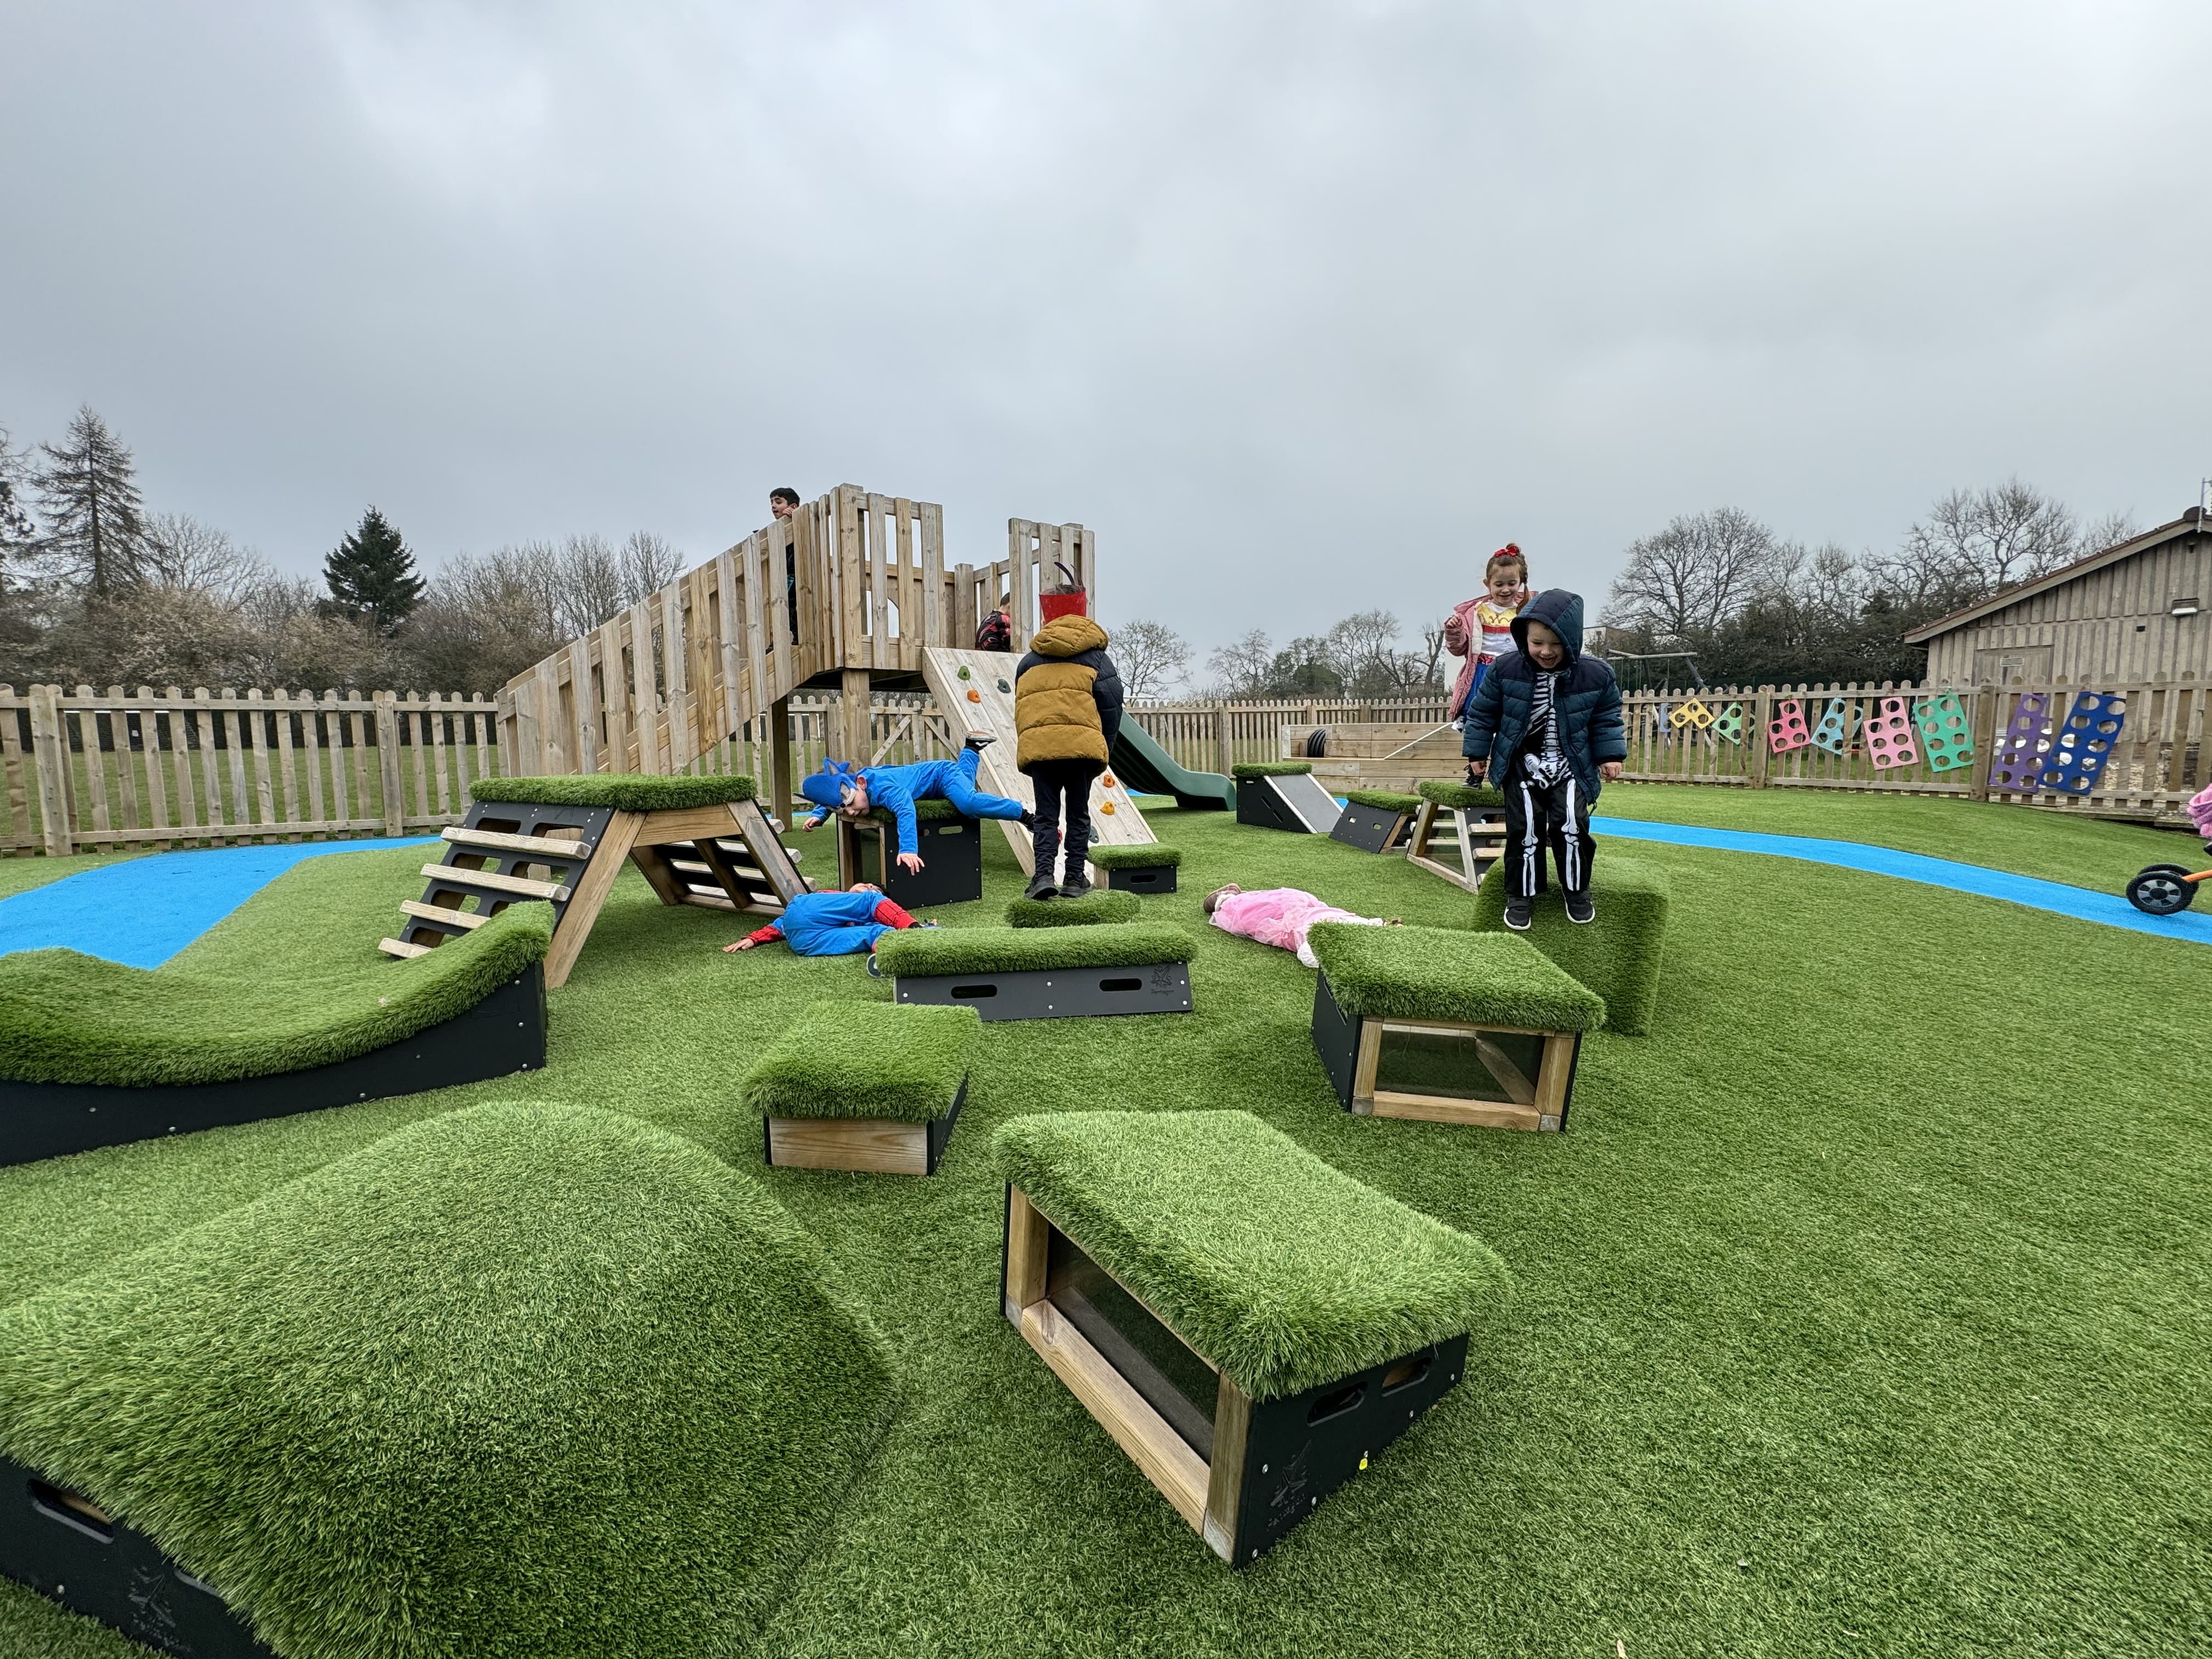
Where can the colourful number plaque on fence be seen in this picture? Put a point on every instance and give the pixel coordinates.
(2085, 743)
(1889, 735)
(2018, 767)
(1837, 720)
(1691, 713)
(1944, 730)
(1728, 725)
(1787, 731)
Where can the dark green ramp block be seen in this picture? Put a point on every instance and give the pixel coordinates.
(524, 1381)
(1142, 868)
(1251, 1325)
(870, 1086)
(1621, 954)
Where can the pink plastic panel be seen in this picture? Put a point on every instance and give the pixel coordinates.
(1889, 735)
(1788, 730)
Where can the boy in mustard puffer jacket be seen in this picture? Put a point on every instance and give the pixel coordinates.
(1068, 712)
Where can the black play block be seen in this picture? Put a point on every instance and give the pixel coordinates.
(951, 861)
(1373, 829)
(1294, 801)
(1144, 878)
(1164, 988)
(64, 1548)
(503, 1033)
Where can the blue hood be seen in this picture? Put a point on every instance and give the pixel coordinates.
(826, 787)
(1559, 610)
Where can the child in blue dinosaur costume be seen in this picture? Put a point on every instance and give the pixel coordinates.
(833, 923)
(839, 788)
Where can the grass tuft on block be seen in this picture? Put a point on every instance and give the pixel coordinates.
(66, 1017)
(1101, 904)
(921, 951)
(865, 1060)
(1472, 797)
(1440, 973)
(933, 808)
(522, 1382)
(1619, 956)
(1382, 800)
(1270, 769)
(1283, 1271)
(623, 792)
(1142, 855)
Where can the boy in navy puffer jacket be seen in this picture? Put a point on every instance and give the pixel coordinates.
(1545, 723)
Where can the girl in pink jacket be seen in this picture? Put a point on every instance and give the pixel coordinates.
(1280, 916)
(1480, 630)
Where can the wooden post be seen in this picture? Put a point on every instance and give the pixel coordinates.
(853, 717)
(1755, 734)
(781, 784)
(1983, 723)
(1221, 761)
(387, 759)
(51, 759)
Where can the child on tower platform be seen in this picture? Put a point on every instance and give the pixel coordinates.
(839, 788)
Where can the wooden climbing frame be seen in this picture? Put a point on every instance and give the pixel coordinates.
(1476, 842)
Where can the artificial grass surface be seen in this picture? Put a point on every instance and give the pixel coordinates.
(1283, 1272)
(1099, 904)
(923, 952)
(1823, 1279)
(525, 1379)
(865, 1060)
(66, 1018)
(625, 792)
(1138, 855)
(930, 809)
(1621, 954)
(1477, 797)
(1269, 769)
(1433, 973)
(1382, 800)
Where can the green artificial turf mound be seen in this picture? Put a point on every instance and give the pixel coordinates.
(623, 792)
(70, 1018)
(1438, 973)
(865, 1060)
(920, 952)
(933, 809)
(1382, 800)
(1098, 905)
(1476, 797)
(1281, 1270)
(519, 1382)
(1270, 769)
(1141, 855)
(1619, 956)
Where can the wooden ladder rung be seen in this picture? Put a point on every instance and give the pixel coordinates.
(691, 867)
(460, 919)
(400, 947)
(523, 886)
(712, 900)
(571, 852)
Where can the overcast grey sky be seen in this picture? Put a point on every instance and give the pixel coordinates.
(1302, 307)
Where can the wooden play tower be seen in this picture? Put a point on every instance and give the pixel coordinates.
(845, 596)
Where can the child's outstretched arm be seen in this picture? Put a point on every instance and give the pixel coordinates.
(767, 935)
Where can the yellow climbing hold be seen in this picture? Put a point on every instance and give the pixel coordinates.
(1107, 807)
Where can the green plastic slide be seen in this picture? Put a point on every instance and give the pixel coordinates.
(1146, 767)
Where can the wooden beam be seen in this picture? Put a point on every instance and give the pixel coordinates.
(876, 1146)
(591, 890)
(1224, 1484)
(571, 851)
(460, 919)
(518, 886)
(1028, 1239)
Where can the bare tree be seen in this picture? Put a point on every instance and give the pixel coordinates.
(1241, 668)
(1699, 570)
(648, 564)
(1153, 657)
(183, 553)
(591, 574)
(1990, 538)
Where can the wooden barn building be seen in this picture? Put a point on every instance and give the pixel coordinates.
(2132, 613)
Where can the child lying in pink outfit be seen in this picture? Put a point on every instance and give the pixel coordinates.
(1279, 916)
(2200, 812)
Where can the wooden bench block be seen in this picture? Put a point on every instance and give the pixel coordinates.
(1494, 1077)
(876, 1145)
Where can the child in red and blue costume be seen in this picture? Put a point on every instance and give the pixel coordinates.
(839, 788)
(833, 923)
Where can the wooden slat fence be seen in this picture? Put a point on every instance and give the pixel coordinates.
(1213, 737)
(173, 769)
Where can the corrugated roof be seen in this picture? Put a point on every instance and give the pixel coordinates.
(2186, 523)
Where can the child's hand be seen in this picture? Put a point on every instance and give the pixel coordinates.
(811, 825)
(910, 862)
(1475, 769)
(1610, 771)
(742, 945)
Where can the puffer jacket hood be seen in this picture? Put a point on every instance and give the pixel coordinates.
(1561, 612)
(1068, 636)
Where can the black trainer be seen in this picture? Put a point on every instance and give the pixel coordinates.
(979, 741)
(1041, 887)
(1519, 913)
(1075, 886)
(1579, 907)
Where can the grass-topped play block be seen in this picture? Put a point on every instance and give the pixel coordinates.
(1449, 1027)
(1101, 904)
(1376, 820)
(1459, 831)
(94, 1053)
(873, 1086)
(1138, 868)
(532, 1380)
(701, 840)
(1251, 1325)
(1620, 955)
(1042, 973)
(951, 847)
(1284, 795)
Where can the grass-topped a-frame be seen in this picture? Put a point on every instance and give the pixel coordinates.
(1251, 1325)
(1618, 955)
(698, 839)
(94, 1054)
(518, 1382)
(1447, 1026)
(1459, 831)
(863, 1085)
(1043, 973)
(1141, 867)
(1377, 820)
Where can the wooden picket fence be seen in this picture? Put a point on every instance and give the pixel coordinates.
(88, 769)
(1213, 737)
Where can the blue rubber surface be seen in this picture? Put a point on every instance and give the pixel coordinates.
(2112, 909)
(141, 912)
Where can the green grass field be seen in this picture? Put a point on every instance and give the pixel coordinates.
(1865, 1309)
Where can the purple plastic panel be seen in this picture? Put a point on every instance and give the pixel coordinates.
(2018, 765)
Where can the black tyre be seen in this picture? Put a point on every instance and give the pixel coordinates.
(2161, 891)
(2163, 870)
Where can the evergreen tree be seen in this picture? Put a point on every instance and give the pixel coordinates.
(16, 529)
(95, 533)
(372, 575)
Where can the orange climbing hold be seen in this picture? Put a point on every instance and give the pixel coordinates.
(1107, 780)
(975, 696)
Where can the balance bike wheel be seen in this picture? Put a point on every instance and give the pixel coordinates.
(2161, 891)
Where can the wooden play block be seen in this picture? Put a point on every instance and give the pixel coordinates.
(1456, 843)
(1374, 828)
(1241, 1472)
(952, 851)
(1441, 1071)
(1293, 801)
(873, 1145)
